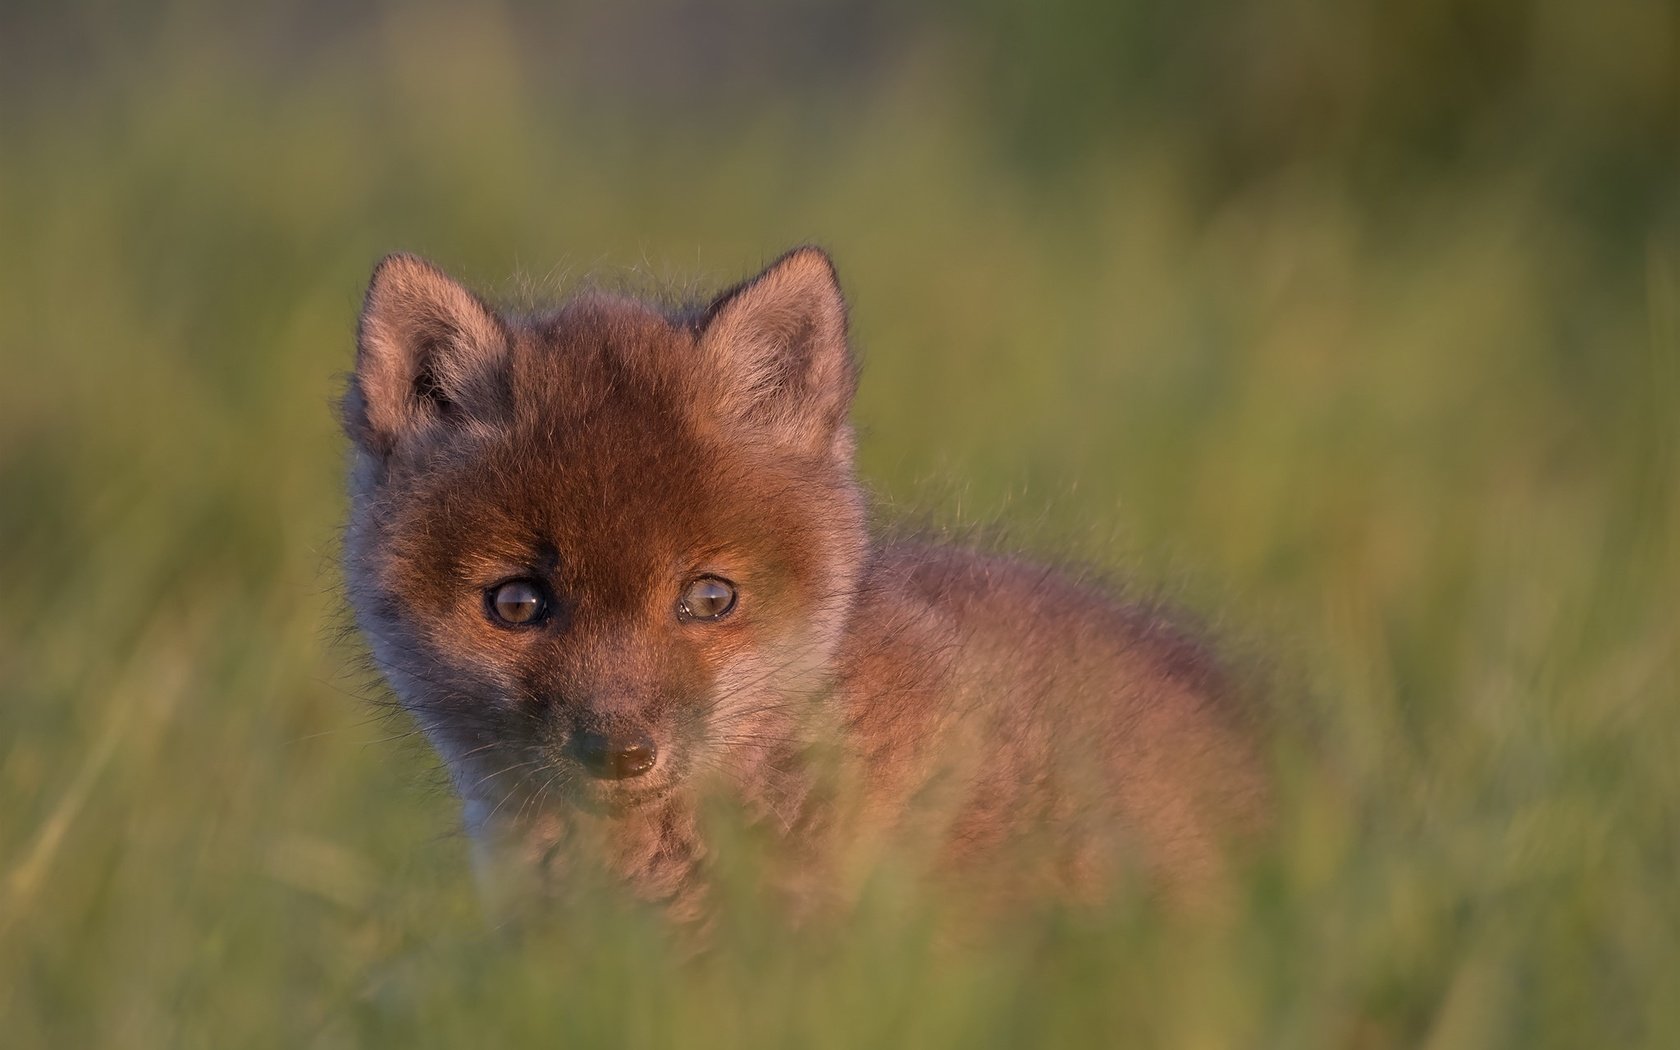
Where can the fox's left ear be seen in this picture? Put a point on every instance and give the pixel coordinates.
(776, 347)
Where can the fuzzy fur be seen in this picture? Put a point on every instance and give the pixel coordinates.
(975, 707)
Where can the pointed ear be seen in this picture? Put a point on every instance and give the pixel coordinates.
(428, 352)
(776, 347)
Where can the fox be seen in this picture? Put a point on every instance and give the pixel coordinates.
(614, 559)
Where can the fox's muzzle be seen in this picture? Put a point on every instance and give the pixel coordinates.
(614, 756)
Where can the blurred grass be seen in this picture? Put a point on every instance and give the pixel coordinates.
(1388, 384)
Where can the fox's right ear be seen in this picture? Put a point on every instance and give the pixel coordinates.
(428, 352)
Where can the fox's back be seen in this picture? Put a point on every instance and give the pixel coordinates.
(1059, 710)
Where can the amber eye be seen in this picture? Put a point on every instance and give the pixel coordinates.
(516, 603)
(707, 598)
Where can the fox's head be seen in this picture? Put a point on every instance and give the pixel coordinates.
(598, 551)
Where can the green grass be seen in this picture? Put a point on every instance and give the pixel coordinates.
(1419, 448)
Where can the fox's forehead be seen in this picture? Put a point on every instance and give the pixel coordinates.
(551, 509)
(601, 437)
(614, 491)
(615, 532)
(601, 466)
(602, 360)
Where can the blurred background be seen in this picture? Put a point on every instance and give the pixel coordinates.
(1355, 326)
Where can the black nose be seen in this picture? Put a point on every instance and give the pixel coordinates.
(615, 756)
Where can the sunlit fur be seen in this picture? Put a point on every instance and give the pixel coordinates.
(614, 451)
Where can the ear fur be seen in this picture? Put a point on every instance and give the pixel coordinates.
(427, 351)
(776, 345)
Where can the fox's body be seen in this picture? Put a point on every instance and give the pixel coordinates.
(614, 559)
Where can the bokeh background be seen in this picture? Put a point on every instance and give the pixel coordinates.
(1355, 326)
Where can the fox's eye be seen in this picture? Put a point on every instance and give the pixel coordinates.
(516, 602)
(707, 598)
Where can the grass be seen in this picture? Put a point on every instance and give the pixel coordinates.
(1423, 454)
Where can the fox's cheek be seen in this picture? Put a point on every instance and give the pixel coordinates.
(456, 657)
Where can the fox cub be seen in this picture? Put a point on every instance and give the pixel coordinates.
(614, 560)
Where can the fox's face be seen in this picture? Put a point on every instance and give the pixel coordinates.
(602, 552)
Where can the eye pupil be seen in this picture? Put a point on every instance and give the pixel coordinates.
(517, 602)
(708, 598)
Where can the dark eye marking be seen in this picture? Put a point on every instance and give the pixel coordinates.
(706, 599)
(516, 603)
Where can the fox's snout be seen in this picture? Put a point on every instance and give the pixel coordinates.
(618, 755)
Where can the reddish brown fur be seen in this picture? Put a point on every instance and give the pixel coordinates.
(613, 451)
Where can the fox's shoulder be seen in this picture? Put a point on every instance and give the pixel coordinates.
(975, 584)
